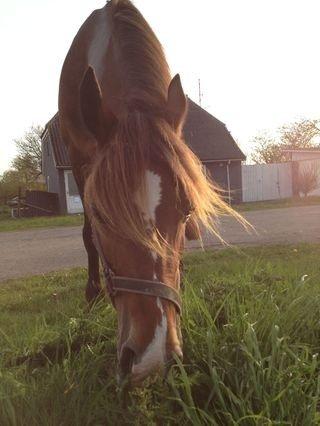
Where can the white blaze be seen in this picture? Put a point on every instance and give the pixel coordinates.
(153, 188)
(148, 200)
(154, 257)
(155, 354)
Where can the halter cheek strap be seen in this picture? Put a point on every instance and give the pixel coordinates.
(117, 284)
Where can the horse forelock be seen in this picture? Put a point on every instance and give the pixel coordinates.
(122, 186)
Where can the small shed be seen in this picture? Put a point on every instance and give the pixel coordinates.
(300, 154)
(305, 164)
(208, 138)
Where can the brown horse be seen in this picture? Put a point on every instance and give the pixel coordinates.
(121, 116)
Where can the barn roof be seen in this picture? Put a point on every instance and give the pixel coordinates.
(315, 149)
(60, 150)
(208, 138)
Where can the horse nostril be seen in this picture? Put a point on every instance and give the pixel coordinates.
(126, 363)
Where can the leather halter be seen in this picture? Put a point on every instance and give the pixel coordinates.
(117, 284)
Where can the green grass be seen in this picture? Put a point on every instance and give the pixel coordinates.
(8, 224)
(251, 330)
(277, 204)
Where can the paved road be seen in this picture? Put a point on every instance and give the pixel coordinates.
(39, 251)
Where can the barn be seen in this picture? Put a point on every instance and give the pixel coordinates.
(211, 141)
(208, 138)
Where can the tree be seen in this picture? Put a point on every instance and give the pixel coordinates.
(26, 166)
(28, 160)
(300, 134)
(266, 150)
(10, 182)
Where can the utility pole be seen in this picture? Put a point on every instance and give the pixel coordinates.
(200, 93)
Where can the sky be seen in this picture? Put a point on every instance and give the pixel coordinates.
(258, 60)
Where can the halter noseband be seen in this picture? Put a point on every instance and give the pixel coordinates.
(116, 284)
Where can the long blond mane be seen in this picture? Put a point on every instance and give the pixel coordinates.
(142, 135)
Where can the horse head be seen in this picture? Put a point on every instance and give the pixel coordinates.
(139, 209)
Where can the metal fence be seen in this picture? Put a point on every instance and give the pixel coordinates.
(266, 182)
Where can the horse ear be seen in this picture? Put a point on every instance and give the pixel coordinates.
(91, 106)
(91, 102)
(177, 103)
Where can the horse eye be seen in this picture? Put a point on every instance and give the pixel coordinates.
(186, 213)
(187, 217)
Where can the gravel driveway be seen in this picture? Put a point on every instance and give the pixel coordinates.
(39, 251)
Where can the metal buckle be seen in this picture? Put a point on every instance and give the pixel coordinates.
(108, 276)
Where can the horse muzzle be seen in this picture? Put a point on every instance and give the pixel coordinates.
(133, 370)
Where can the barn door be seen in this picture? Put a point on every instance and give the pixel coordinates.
(74, 204)
(252, 183)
